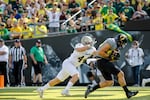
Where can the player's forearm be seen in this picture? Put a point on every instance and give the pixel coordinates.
(103, 54)
(83, 48)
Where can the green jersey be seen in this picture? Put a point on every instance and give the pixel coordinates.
(38, 53)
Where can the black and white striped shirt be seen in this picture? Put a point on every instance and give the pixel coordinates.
(17, 53)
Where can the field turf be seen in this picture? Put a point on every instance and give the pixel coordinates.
(77, 93)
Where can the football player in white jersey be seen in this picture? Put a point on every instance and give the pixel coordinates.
(81, 52)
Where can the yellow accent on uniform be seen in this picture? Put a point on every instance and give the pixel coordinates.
(109, 52)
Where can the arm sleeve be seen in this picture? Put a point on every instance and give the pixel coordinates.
(32, 51)
(79, 45)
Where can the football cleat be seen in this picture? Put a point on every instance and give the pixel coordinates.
(40, 91)
(88, 91)
(65, 93)
(131, 93)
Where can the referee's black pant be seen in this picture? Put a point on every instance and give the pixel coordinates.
(3, 71)
(17, 71)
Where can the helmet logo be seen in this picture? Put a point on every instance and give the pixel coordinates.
(122, 40)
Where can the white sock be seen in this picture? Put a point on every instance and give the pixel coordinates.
(94, 83)
(46, 86)
(69, 85)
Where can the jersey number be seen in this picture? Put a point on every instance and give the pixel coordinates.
(80, 59)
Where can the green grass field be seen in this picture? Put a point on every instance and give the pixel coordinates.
(77, 93)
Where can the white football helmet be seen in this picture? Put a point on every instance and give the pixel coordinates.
(87, 40)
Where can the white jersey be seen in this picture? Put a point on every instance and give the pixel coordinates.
(4, 57)
(77, 58)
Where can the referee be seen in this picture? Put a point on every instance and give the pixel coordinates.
(17, 58)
